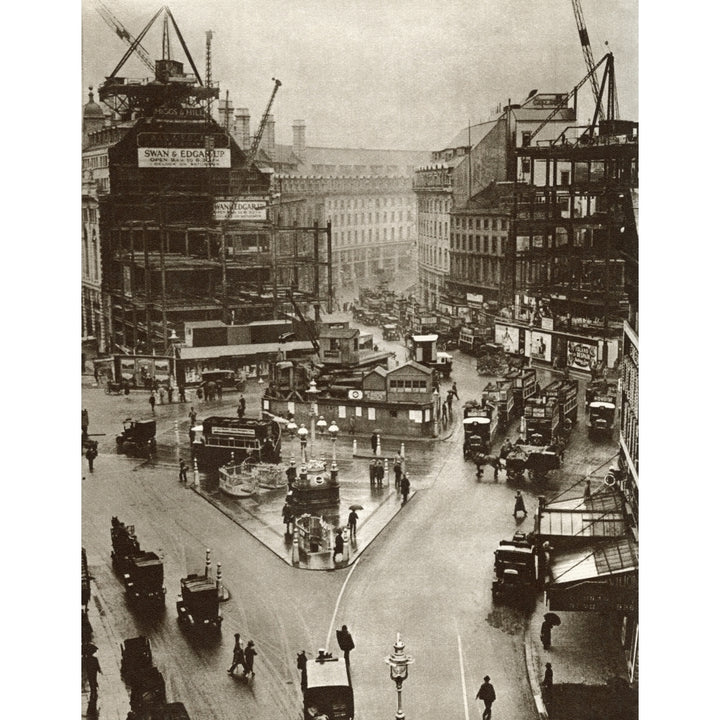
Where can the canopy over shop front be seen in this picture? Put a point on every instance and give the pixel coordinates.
(600, 577)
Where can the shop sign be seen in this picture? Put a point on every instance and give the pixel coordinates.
(474, 299)
(163, 157)
(245, 209)
(593, 596)
(581, 356)
(508, 337)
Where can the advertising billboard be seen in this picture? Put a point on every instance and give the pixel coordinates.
(164, 157)
(244, 209)
(537, 345)
(508, 337)
(581, 356)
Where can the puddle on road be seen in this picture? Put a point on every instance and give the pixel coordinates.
(506, 619)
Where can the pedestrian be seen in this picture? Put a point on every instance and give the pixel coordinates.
(379, 472)
(181, 394)
(241, 406)
(372, 473)
(199, 392)
(352, 523)
(374, 441)
(126, 387)
(183, 471)
(302, 667)
(85, 423)
(170, 393)
(449, 401)
(505, 450)
(291, 474)
(92, 668)
(151, 400)
(96, 376)
(519, 505)
(404, 488)
(444, 412)
(91, 454)
(351, 425)
(288, 517)
(345, 642)
(545, 633)
(486, 693)
(250, 654)
(193, 416)
(455, 392)
(397, 467)
(588, 490)
(339, 545)
(238, 657)
(219, 391)
(547, 682)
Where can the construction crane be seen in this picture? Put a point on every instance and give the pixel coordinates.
(258, 135)
(124, 34)
(587, 53)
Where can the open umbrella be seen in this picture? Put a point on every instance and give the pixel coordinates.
(553, 618)
(356, 507)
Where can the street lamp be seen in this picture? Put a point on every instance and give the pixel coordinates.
(312, 391)
(398, 663)
(333, 431)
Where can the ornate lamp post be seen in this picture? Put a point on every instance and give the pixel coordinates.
(312, 391)
(333, 431)
(398, 663)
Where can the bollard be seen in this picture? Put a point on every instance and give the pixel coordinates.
(207, 563)
(387, 465)
(333, 472)
(378, 452)
(354, 448)
(346, 544)
(402, 450)
(295, 547)
(196, 472)
(218, 581)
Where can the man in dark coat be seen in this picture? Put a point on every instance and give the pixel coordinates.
(374, 440)
(183, 471)
(404, 488)
(91, 454)
(151, 400)
(547, 682)
(352, 523)
(345, 642)
(339, 544)
(519, 505)
(241, 406)
(379, 472)
(250, 654)
(545, 631)
(302, 667)
(92, 668)
(238, 655)
(486, 693)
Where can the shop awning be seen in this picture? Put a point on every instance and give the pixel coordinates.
(600, 577)
(218, 351)
(581, 523)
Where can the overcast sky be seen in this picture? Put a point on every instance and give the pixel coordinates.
(404, 74)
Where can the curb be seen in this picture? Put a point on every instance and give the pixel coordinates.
(232, 516)
(534, 683)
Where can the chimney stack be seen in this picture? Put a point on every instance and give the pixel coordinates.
(242, 122)
(268, 138)
(298, 127)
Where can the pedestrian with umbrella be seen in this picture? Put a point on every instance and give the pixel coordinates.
(550, 621)
(345, 642)
(352, 520)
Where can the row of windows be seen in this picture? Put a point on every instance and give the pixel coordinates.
(95, 161)
(481, 223)
(360, 203)
(355, 236)
(408, 385)
(367, 218)
(362, 169)
(474, 243)
(434, 228)
(435, 256)
(434, 205)
(477, 269)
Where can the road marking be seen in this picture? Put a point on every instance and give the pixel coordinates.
(462, 673)
(337, 604)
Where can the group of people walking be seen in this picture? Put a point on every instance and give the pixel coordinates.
(243, 657)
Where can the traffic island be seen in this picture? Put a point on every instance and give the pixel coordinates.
(261, 515)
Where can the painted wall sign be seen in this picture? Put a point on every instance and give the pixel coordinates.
(162, 157)
(508, 337)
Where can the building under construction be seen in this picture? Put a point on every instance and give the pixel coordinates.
(573, 240)
(185, 221)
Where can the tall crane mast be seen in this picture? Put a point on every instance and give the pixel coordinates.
(587, 52)
(124, 34)
(258, 135)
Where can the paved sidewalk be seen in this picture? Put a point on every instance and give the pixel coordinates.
(589, 667)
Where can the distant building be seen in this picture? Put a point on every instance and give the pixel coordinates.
(476, 157)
